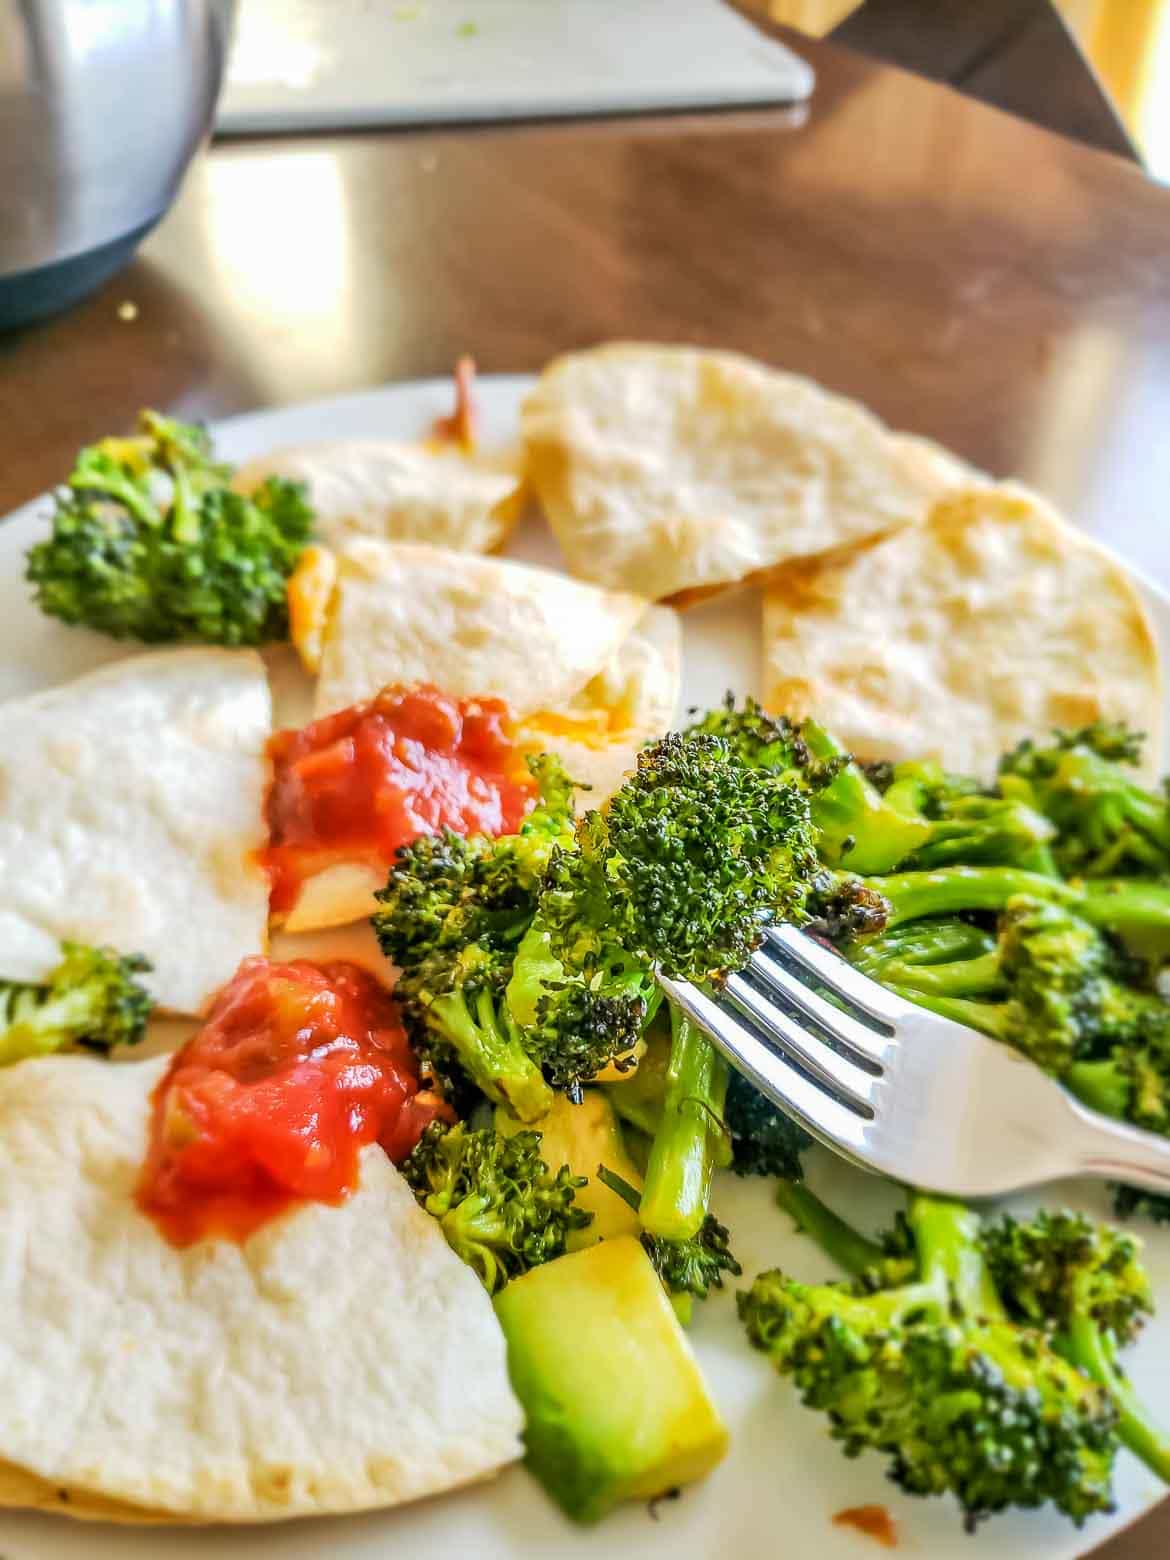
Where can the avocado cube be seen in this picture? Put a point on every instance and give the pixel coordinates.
(615, 1403)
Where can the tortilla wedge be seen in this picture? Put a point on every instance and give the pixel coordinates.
(133, 803)
(680, 471)
(341, 1359)
(439, 493)
(991, 622)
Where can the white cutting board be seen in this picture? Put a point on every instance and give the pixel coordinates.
(326, 64)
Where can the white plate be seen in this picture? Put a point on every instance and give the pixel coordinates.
(783, 1479)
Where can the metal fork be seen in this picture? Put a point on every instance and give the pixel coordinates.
(900, 1090)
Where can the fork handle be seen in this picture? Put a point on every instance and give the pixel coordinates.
(1114, 1151)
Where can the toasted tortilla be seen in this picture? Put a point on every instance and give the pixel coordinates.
(992, 622)
(630, 702)
(678, 471)
(590, 676)
(132, 806)
(439, 493)
(473, 626)
(341, 1359)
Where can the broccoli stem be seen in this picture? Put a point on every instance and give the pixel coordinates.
(491, 1053)
(111, 482)
(849, 1249)
(858, 826)
(946, 1234)
(686, 1144)
(1092, 1351)
(949, 890)
(1100, 1085)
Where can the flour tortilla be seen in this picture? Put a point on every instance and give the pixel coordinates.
(473, 626)
(436, 493)
(343, 1358)
(634, 700)
(590, 676)
(678, 471)
(992, 622)
(131, 802)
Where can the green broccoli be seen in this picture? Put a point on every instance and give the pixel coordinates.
(934, 1374)
(764, 1141)
(1084, 1284)
(1107, 824)
(967, 824)
(682, 864)
(690, 1268)
(690, 1140)
(150, 542)
(500, 1207)
(1052, 986)
(90, 998)
(853, 822)
(484, 999)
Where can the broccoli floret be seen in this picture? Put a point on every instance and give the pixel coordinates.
(683, 863)
(482, 994)
(764, 1141)
(500, 1207)
(1106, 822)
(90, 998)
(150, 542)
(853, 822)
(1084, 1284)
(935, 1375)
(690, 1268)
(967, 824)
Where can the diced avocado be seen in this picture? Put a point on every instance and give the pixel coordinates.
(615, 1403)
(583, 1137)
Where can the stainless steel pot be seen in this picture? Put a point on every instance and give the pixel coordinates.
(102, 106)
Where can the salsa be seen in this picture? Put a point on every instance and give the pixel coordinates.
(298, 1067)
(355, 786)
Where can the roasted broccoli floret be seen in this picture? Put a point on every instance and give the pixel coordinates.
(936, 1376)
(966, 823)
(853, 822)
(764, 1141)
(1084, 1284)
(499, 1205)
(683, 863)
(150, 542)
(482, 994)
(1106, 822)
(92, 998)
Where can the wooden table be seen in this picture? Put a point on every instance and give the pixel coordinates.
(968, 276)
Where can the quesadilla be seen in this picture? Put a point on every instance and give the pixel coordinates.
(340, 1359)
(587, 674)
(133, 805)
(677, 471)
(991, 622)
(441, 493)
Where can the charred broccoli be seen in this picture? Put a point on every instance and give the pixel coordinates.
(484, 998)
(682, 863)
(91, 998)
(500, 1207)
(934, 1374)
(150, 542)
(1084, 1284)
(1106, 822)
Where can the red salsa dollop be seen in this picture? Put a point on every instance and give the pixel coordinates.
(298, 1067)
(355, 786)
